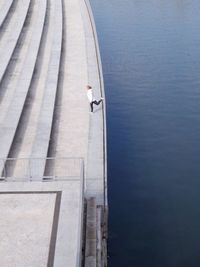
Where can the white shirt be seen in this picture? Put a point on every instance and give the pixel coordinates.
(90, 95)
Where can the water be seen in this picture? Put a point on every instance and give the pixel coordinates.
(151, 59)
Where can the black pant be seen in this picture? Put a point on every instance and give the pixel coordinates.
(96, 103)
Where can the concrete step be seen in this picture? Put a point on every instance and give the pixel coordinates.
(10, 78)
(24, 138)
(41, 142)
(4, 10)
(19, 83)
(11, 35)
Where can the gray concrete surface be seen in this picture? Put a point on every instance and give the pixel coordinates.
(75, 132)
(44, 111)
(70, 136)
(4, 9)
(96, 183)
(41, 223)
(11, 34)
(25, 230)
(13, 103)
(41, 141)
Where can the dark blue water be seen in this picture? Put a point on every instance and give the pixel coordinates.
(151, 60)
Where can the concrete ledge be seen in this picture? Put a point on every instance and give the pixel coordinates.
(97, 149)
(4, 10)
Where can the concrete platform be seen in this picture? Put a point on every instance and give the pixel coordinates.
(41, 223)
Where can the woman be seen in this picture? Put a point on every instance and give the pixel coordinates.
(91, 99)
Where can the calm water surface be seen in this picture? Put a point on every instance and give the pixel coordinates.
(151, 59)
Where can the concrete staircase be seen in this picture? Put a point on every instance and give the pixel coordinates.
(49, 52)
(30, 50)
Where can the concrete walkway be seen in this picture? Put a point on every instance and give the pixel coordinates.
(97, 154)
(76, 130)
(70, 136)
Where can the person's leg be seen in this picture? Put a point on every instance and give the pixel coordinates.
(91, 106)
(97, 102)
